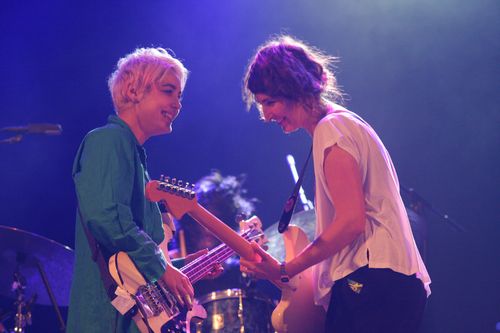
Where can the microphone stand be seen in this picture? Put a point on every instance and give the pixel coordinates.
(62, 326)
(12, 139)
(44, 129)
(418, 204)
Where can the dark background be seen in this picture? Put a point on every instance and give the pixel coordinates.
(424, 73)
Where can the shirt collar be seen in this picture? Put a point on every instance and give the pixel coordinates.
(113, 119)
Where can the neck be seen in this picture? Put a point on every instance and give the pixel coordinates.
(315, 115)
(131, 120)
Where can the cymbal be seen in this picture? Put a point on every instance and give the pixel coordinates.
(306, 220)
(22, 251)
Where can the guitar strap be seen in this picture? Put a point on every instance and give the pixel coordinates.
(107, 280)
(287, 213)
(97, 256)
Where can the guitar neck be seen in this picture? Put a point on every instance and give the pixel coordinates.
(202, 266)
(224, 233)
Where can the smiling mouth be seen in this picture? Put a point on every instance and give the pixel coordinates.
(166, 115)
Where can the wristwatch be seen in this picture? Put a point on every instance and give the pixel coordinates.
(284, 277)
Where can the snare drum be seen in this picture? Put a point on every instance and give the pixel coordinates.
(234, 310)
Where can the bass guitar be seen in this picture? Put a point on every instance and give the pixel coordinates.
(155, 304)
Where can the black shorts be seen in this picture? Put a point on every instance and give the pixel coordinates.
(376, 300)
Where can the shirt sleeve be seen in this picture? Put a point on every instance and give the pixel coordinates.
(104, 176)
(332, 132)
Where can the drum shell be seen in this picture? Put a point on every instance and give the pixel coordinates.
(234, 310)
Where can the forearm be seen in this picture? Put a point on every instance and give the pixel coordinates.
(340, 234)
(113, 227)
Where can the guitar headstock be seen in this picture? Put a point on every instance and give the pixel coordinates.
(179, 197)
(255, 225)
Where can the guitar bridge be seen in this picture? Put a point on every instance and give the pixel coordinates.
(153, 299)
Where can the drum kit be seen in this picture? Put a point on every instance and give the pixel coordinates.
(34, 270)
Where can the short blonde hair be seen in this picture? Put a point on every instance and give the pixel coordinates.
(141, 69)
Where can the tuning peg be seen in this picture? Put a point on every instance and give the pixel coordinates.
(162, 178)
(166, 179)
(174, 181)
(186, 185)
(179, 183)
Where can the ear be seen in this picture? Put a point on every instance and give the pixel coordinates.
(133, 94)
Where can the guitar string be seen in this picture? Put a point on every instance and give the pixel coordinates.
(214, 250)
(198, 272)
(205, 264)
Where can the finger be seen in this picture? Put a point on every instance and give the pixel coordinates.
(196, 255)
(217, 269)
(260, 254)
(259, 249)
(189, 302)
(249, 266)
(188, 287)
(201, 253)
(179, 299)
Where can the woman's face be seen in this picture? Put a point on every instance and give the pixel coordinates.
(159, 107)
(289, 115)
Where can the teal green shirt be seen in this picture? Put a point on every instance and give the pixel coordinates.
(110, 175)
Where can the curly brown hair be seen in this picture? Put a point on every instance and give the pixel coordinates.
(286, 67)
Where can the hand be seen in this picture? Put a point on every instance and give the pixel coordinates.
(264, 267)
(216, 271)
(193, 256)
(178, 284)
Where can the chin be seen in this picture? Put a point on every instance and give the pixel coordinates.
(167, 130)
(288, 130)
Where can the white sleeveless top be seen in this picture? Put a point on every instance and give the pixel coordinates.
(388, 237)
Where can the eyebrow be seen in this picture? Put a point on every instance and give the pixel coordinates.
(168, 85)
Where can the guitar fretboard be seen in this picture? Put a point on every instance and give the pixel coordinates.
(202, 266)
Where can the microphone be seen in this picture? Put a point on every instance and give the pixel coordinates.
(44, 129)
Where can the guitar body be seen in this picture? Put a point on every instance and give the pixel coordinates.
(126, 275)
(296, 312)
(158, 310)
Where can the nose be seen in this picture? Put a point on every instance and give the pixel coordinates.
(176, 103)
(265, 115)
